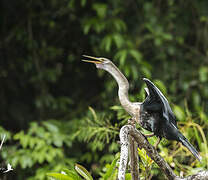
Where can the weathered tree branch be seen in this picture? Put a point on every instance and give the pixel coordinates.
(124, 152)
(143, 143)
(2, 141)
(133, 158)
(152, 152)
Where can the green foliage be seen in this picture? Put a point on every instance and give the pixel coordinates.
(110, 170)
(40, 145)
(146, 164)
(83, 172)
(179, 113)
(65, 175)
(72, 174)
(100, 131)
(59, 176)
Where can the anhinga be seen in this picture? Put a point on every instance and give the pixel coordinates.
(154, 114)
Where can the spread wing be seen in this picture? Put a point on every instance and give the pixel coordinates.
(156, 101)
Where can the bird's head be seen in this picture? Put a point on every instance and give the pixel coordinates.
(101, 63)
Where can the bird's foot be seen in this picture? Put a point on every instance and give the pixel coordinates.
(149, 135)
(132, 121)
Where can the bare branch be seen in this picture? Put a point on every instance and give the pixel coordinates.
(134, 158)
(2, 141)
(143, 143)
(124, 152)
(152, 152)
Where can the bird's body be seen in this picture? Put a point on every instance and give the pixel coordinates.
(157, 108)
(154, 114)
(157, 116)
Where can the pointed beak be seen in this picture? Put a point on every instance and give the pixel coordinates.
(98, 60)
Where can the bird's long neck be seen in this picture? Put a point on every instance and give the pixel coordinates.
(123, 88)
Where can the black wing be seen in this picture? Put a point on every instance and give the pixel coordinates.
(156, 101)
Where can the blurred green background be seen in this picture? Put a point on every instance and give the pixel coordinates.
(57, 110)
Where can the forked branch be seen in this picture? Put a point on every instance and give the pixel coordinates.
(152, 152)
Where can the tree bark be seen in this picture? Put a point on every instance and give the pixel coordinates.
(134, 163)
(124, 152)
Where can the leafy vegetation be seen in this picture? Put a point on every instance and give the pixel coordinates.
(46, 90)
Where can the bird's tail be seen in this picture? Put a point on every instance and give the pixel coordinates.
(190, 147)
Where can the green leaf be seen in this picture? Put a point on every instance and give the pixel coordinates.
(203, 74)
(146, 72)
(121, 55)
(93, 113)
(199, 141)
(204, 19)
(25, 141)
(83, 3)
(116, 107)
(161, 86)
(167, 36)
(118, 39)
(128, 176)
(26, 161)
(18, 135)
(99, 26)
(158, 41)
(86, 28)
(196, 99)
(106, 43)
(51, 127)
(119, 25)
(179, 113)
(100, 9)
(134, 71)
(72, 174)
(83, 172)
(59, 176)
(111, 169)
(146, 160)
(203, 116)
(136, 54)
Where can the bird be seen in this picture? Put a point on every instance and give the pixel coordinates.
(9, 168)
(5, 170)
(159, 118)
(153, 114)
